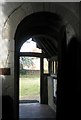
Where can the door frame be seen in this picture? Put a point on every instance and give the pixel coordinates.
(24, 32)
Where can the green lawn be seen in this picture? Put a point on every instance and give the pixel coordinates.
(29, 87)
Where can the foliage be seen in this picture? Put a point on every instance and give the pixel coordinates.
(25, 61)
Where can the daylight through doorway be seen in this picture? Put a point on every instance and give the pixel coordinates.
(29, 82)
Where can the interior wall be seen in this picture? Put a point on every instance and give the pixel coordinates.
(51, 94)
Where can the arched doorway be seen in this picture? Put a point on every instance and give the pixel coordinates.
(44, 28)
(29, 85)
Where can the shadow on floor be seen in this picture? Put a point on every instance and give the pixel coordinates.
(37, 119)
(36, 111)
(28, 101)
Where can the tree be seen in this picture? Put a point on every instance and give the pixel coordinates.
(26, 61)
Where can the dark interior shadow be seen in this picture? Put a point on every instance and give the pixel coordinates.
(7, 105)
(74, 76)
(28, 101)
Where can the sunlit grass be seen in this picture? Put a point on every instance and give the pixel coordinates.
(29, 87)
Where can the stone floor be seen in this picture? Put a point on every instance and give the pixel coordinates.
(35, 110)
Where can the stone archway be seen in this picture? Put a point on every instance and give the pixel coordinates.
(36, 25)
(19, 14)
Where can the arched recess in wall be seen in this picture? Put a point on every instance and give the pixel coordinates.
(38, 25)
(17, 15)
